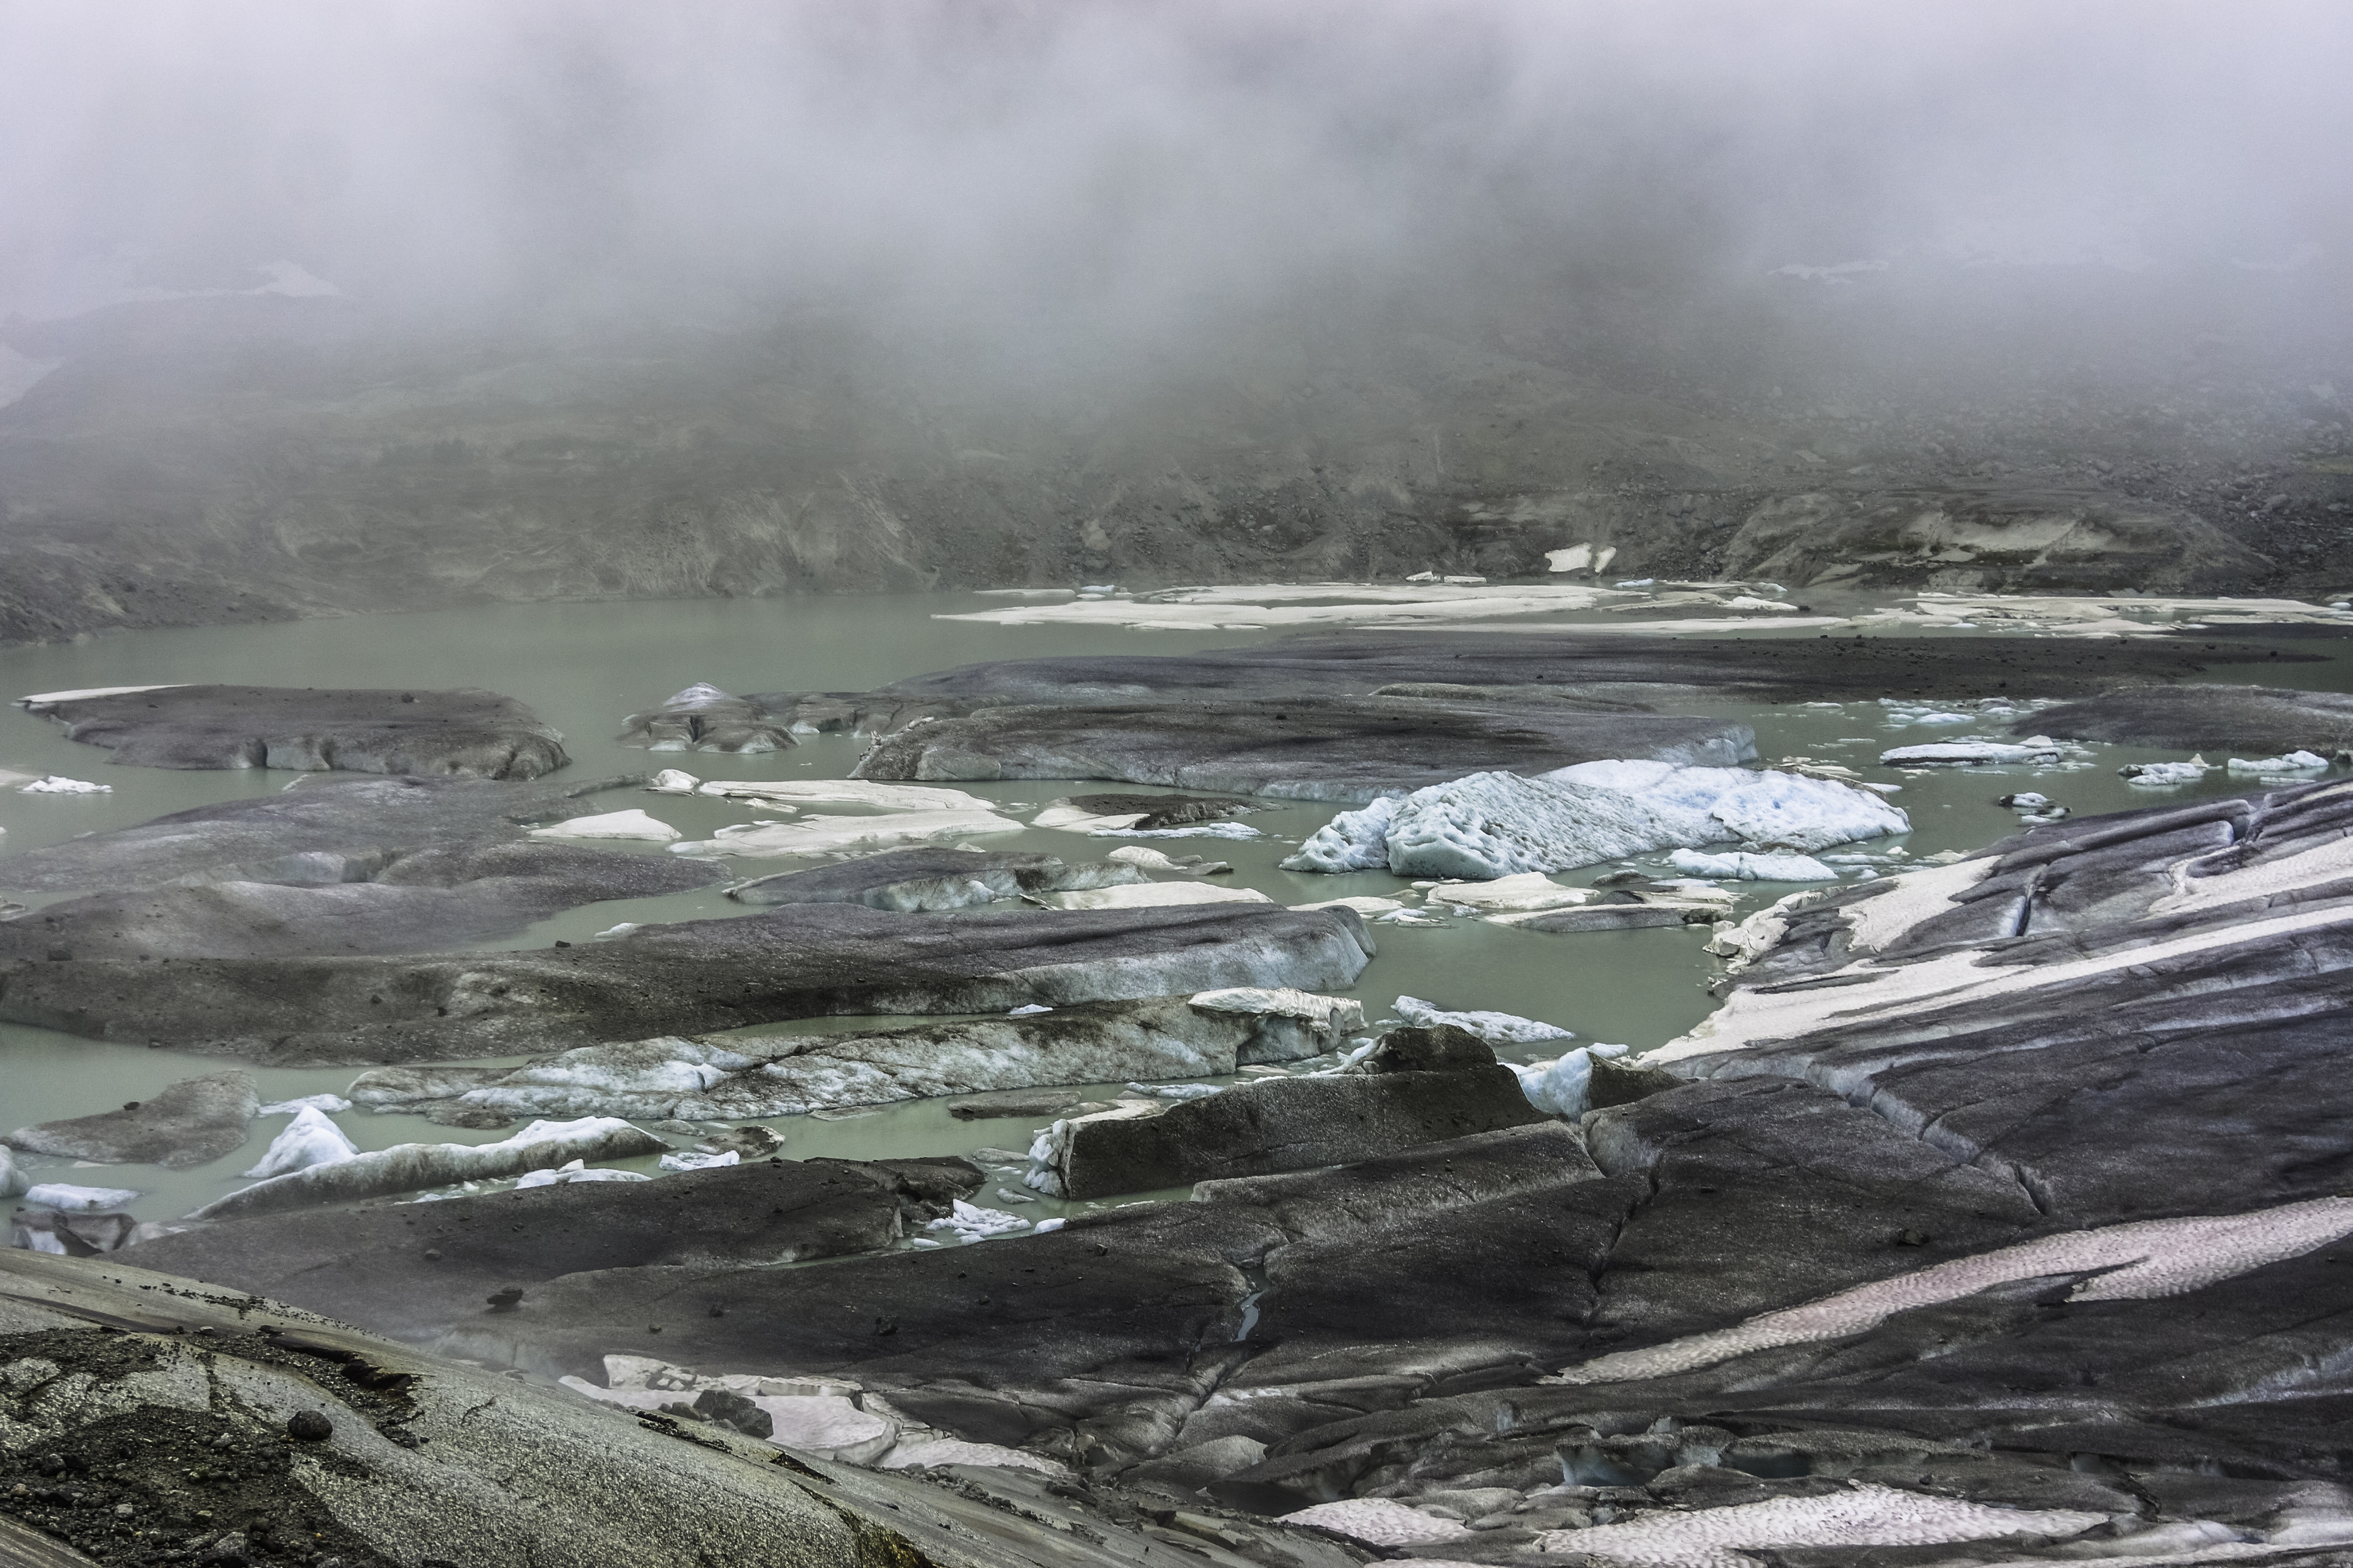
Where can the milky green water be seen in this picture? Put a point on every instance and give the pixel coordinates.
(584, 667)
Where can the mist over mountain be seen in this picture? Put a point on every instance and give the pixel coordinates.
(385, 306)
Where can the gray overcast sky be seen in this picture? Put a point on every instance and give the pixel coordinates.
(1140, 168)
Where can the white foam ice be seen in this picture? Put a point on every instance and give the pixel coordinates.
(1495, 1029)
(693, 1160)
(56, 784)
(2041, 750)
(1750, 868)
(1560, 1086)
(1378, 1520)
(970, 1222)
(67, 1198)
(2142, 1261)
(2165, 775)
(333, 1104)
(1864, 1514)
(308, 1139)
(630, 823)
(575, 1170)
(1150, 895)
(820, 835)
(2294, 763)
(1493, 825)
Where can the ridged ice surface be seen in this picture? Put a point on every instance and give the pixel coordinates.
(1865, 1516)
(1379, 1521)
(2141, 1260)
(1493, 825)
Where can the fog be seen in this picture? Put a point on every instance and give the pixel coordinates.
(1095, 181)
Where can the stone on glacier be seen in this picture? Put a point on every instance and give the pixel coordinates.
(1489, 826)
(1750, 868)
(308, 1139)
(1495, 1029)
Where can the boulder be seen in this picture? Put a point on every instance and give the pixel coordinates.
(413, 1270)
(392, 900)
(1432, 1086)
(792, 961)
(458, 734)
(318, 831)
(1352, 749)
(192, 1123)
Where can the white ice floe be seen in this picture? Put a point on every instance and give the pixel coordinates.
(1749, 868)
(847, 835)
(1329, 1014)
(92, 691)
(1190, 830)
(2041, 750)
(1560, 1086)
(1070, 819)
(57, 784)
(1528, 890)
(629, 824)
(333, 1104)
(1410, 917)
(68, 1198)
(2135, 1262)
(956, 1451)
(2294, 763)
(2165, 775)
(1495, 1029)
(1028, 1010)
(1378, 1520)
(1363, 903)
(412, 1167)
(1150, 895)
(1145, 858)
(691, 1160)
(308, 1139)
(970, 1222)
(1492, 825)
(1428, 602)
(673, 781)
(1866, 1514)
(1176, 1090)
(789, 793)
(1586, 558)
(575, 1170)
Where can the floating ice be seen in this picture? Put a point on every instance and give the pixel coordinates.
(847, 835)
(1329, 1014)
(1557, 1088)
(1527, 890)
(1190, 830)
(1750, 868)
(693, 1161)
(1150, 895)
(308, 1139)
(972, 1222)
(1495, 1029)
(1488, 826)
(1866, 1514)
(1962, 753)
(1176, 1090)
(67, 1198)
(55, 785)
(2294, 763)
(333, 1104)
(1363, 903)
(630, 823)
(1148, 860)
(673, 781)
(412, 1167)
(1028, 1010)
(789, 795)
(577, 1170)
(2165, 775)
(1378, 1520)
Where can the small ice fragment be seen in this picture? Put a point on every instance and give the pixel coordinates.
(1495, 1029)
(692, 1160)
(1028, 1010)
(333, 1104)
(673, 781)
(1043, 1225)
(629, 824)
(55, 784)
(70, 1199)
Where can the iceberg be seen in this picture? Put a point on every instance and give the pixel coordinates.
(1494, 824)
(1749, 867)
(308, 1139)
(1495, 1029)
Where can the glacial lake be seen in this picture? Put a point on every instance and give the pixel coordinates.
(583, 667)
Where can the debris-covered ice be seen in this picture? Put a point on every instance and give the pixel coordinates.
(308, 1139)
(1495, 1029)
